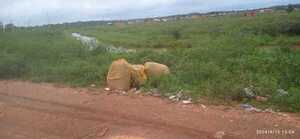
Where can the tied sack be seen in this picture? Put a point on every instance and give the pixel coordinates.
(138, 74)
(119, 75)
(156, 70)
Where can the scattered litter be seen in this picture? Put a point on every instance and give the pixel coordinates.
(172, 97)
(249, 93)
(269, 111)
(261, 99)
(248, 107)
(189, 101)
(203, 106)
(282, 114)
(93, 85)
(138, 92)
(103, 132)
(156, 95)
(154, 91)
(282, 92)
(124, 92)
(219, 135)
(92, 44)
(133, 90)
(107, 89)
(179, 95)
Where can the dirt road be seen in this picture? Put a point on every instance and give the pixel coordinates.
(44, 111)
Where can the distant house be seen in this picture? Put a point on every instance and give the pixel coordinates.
(164, 20)
(266, 10)
(252, 13)
(156, 20)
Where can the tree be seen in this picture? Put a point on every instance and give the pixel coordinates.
(290, 8)
(9, 27)
(2, 27)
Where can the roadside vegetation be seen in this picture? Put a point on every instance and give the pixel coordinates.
(211, 57)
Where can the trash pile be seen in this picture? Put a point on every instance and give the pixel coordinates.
(92, 44)
(124, 76)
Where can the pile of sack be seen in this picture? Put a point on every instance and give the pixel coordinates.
(123, 75)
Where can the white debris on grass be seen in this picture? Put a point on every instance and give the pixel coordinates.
(92, 44)
(249, 93)
(282, 92)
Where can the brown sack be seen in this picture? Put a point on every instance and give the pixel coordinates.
(119, 75)
(155, 69)
(138, 75)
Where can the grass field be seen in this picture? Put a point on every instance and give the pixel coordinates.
(212, 57)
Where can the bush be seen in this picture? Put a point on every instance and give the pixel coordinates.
(12, 66)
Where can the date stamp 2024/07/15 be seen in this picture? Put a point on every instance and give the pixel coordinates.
(275, 132)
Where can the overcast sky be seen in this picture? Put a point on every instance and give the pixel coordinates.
(36, 12)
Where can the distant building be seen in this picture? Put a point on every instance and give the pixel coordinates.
(156, 20)
(252, 13)
(164, 20)
(266, 10)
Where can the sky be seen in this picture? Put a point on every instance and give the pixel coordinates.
(38, 12)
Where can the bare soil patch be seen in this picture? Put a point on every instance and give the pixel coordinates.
(30, 110)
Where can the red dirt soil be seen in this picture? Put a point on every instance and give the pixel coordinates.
(45, 111)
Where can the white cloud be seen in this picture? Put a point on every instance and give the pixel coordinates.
(42, 11)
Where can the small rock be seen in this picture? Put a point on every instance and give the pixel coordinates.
(246, 106)
(107, 89)
(124, 92)
(269, 111)
(219, 135)
(172, 97)
(257, 110)
(156, 95)
(261, 99)
(203, 106)
(93, 85)
(132, 90)
(187, 101)
(282, 114)
(155, 90)
(138, 92)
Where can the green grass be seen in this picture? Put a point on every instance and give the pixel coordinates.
(215, 57)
